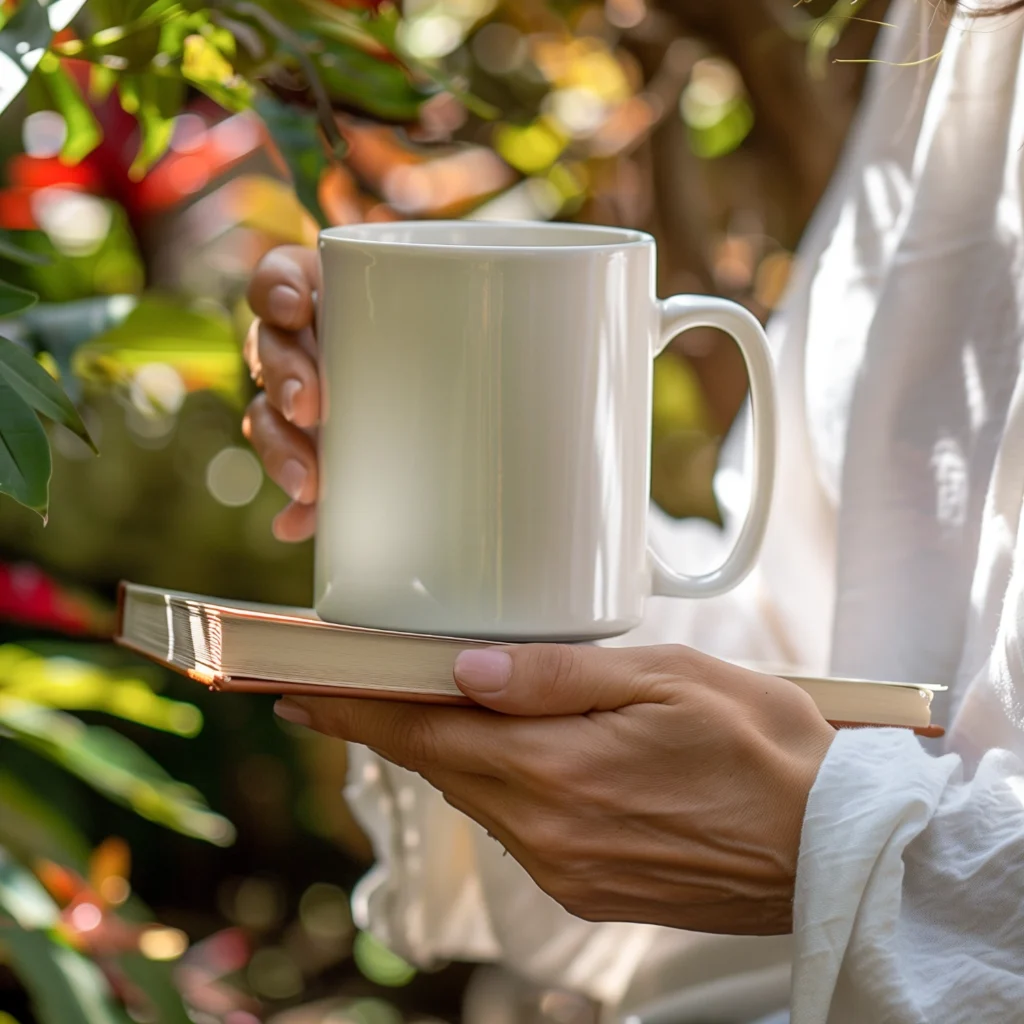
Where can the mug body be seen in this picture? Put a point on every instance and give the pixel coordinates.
(485, 443)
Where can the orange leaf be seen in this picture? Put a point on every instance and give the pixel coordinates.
(111, 861)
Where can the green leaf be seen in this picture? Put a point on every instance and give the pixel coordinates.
(92, 266)
(23, 41)
(66, 988)
(159, 101)
(23, 897)
(325, 19)
(31, 828)
(115, 767)
(175, 31)
(200, 346)
(101, 82)
(376, 86)
(206, 67)
(296, 133)
(83, 130)
(14, 300)
(39, 389)
(10, 250)
(157, 981)
(73, 684)
(24, 452)
(60, 328)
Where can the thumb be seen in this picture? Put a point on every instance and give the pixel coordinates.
(564, 679)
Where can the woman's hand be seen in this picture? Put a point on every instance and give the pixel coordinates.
(281, 353)
(649, 784)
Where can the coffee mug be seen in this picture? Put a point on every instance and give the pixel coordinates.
(485, 440)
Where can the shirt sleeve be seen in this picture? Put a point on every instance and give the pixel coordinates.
(442, 889)
(909, 906)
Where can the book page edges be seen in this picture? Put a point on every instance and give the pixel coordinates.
(222, 683)
(200, 673)
(226, 684)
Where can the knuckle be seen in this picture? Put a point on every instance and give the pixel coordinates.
(276, 358)
(263, 276)
(256, 411)
(275, 265)
(556, 667)
(260, 405)
(258, 415)
(669, 658)
(265, 339)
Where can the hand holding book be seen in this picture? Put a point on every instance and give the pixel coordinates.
(648, 784)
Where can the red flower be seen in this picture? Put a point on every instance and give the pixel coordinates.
(29, 597)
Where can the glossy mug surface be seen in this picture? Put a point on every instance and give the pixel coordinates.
(485, 445)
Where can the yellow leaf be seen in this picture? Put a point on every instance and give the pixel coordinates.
(110, 860)
(203, 62)
(531, 148)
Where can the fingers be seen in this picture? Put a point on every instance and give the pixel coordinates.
(280, 350)
(282, 287)
(287, 453)
(288, 372)
(568, 679)
(295, 523)
(422, 739)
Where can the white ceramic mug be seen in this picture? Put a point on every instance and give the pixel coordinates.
(485, 446)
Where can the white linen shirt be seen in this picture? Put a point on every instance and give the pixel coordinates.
(894, 552)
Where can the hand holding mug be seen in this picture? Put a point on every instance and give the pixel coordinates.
(281, 353)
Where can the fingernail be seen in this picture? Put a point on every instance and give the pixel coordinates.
(289, 392)
(293, 478)
(292, 713)
(483, 671)
(283, 305)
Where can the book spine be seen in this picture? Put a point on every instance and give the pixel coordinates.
(122, 593)
(927, 731)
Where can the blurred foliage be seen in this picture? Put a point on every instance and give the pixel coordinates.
(72, 946)
(152, 151)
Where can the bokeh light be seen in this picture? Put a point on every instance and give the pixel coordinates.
(324, 913)
(43, 134)
(273, 973)
(86, 917)
(163, 943)
(379, 964)
(76, 222)
(234, 476)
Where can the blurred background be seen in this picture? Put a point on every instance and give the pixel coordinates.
(167, 855)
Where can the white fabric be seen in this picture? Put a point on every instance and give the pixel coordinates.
(894, 551)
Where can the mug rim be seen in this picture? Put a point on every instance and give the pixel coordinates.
(363, 235)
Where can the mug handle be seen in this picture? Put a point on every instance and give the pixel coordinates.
(682, 313)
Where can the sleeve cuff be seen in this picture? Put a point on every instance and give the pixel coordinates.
(876, 791)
